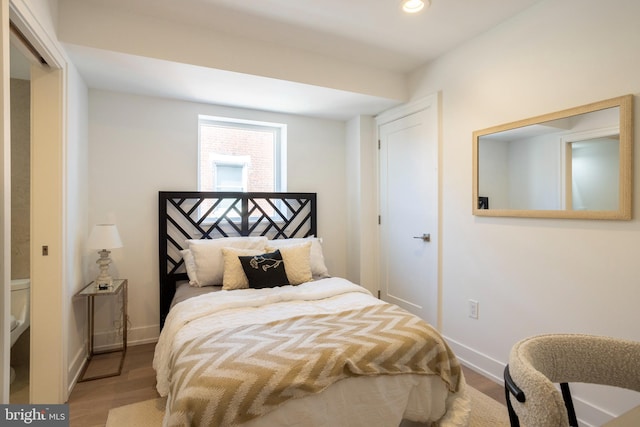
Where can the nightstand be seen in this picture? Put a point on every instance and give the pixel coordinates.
(91, 291)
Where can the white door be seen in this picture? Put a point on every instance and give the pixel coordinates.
(409, 210)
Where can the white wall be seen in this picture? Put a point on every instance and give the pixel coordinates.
(595, 171)
(354, 206)
(534, 276)
(493, 159)
(534, 173)
(46, 11)
(362, 212)
(77, 227)
(141, 145)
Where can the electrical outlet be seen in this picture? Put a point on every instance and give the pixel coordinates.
(473, 309)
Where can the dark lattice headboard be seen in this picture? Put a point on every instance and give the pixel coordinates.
(209, 215)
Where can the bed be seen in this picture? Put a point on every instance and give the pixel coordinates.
(255, 331)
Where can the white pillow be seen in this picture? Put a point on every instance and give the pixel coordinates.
(297, 263)
(234, 277)
(207, 255)
(190, 265)
(318, 267)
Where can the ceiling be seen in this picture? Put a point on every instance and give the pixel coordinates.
(370, 32)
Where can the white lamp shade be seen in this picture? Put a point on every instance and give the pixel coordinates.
(104, 236)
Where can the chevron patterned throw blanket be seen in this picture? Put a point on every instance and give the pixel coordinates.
(228, 377)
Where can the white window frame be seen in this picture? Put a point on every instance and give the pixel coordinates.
(226, 160)
(279, 131)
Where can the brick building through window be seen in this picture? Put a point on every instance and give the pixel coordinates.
(241, 155)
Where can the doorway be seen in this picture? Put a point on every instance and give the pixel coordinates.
(48, 355)
(409, 208)
(20, 105)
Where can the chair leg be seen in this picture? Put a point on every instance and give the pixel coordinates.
(511, 388)
(513, 417)
(568, 402)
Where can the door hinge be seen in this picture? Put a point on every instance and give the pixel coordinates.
(378, 293)
(378, 144)
(379, 220)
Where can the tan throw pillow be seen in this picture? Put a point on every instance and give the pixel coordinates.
(297, 262)
(233, 276)
(318, 267)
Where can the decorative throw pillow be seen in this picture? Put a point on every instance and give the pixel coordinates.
(264, 270)
(318, 268)
(190, 265)
(296, 262)
(207, 255)
(234, 277)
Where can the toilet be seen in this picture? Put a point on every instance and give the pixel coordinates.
(20, 310)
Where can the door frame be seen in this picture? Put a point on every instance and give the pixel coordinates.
(5, 212)
(48, 367)
(430, 101)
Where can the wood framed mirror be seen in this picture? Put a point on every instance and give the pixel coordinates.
(575, 163)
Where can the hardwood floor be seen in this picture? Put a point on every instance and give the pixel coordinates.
(485, 385)
(90, 401)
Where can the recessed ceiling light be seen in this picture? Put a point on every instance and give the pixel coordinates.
(414, 6)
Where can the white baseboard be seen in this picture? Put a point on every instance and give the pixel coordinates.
(75, 367)
(479, 362)
(110, 340)
(143, 335)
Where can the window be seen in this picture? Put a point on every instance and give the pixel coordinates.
(241, 155)
(229, 172)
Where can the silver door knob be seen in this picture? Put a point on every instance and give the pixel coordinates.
(425, 237)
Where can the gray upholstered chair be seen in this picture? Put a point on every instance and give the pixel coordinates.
(536, 363)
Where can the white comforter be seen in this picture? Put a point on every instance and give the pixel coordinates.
(364, 401)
